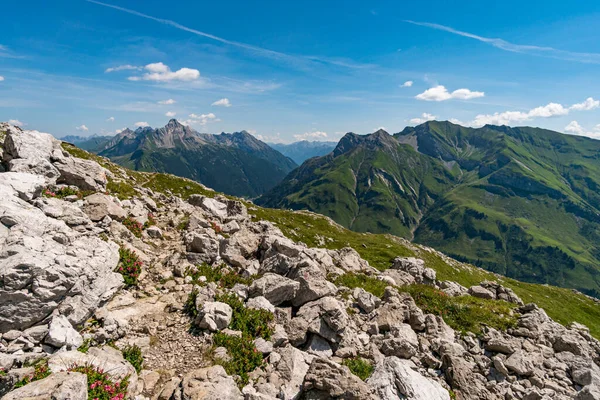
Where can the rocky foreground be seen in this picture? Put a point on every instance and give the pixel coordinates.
(154, 297)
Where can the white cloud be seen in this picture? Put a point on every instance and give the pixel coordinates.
(575, 128)
(110, 119)
(117, 131)
(167, 102)
(407, 84)
(251, 131)
(170, 114)
(504, 118)
(1, 78)
(122, 68)
(82, 128)
(547, 111)
(421, 120)
(588, 104)
(311, 135)
(16, 122)
(223, 103)
(440, 93)
(381, 128)
(159, 72)
(201, 119)
(142, 124)
(276, 138)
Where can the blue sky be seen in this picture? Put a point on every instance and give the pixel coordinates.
(286, 71)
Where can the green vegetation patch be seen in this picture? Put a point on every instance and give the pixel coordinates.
(464, 313)
(244, 358)
(359, 367)
(133, 354)
(41, 371)
(370, 284)
(251, 322)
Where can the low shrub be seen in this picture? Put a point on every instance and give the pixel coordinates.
(122, 190)
(251, 322)
(41, 371)
(100, 384)
(150, 222)
(133, 354)
(244, 357)
(85, 346)
(61, 193)
(359, 367)
(219, 274)
(134, 226)
(129, 266)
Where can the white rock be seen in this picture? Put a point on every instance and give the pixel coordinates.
(61, 333)
(214, 316)
(394, 379)
(60, 386)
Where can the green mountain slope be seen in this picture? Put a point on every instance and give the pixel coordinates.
(523, 202)
(236, 163)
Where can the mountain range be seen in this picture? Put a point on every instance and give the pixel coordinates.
(523, 202)
(236, 163)
(303, 150)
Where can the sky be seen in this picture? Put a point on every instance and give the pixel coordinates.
(287, 71)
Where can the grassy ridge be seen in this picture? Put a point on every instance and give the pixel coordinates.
(563, 305)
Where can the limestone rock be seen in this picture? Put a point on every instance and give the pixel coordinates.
(97, 206)
(85, 174)
(214, 316)
(212, 206)
(47, 266)
(211, 383)
(275, 288)
(395, 379)
(59, 386)
(61, 334)
(326, 379)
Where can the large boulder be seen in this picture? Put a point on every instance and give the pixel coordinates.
(211, 383)
(275, 288)
(395, 379)
(326, 317)
(97, 206)
(27, 186)
(45, 266)
(326, 379)
(59, 386)
(212, 206)
(30, 152)
(85, 174)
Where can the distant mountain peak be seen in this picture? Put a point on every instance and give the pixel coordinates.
(173, 123)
